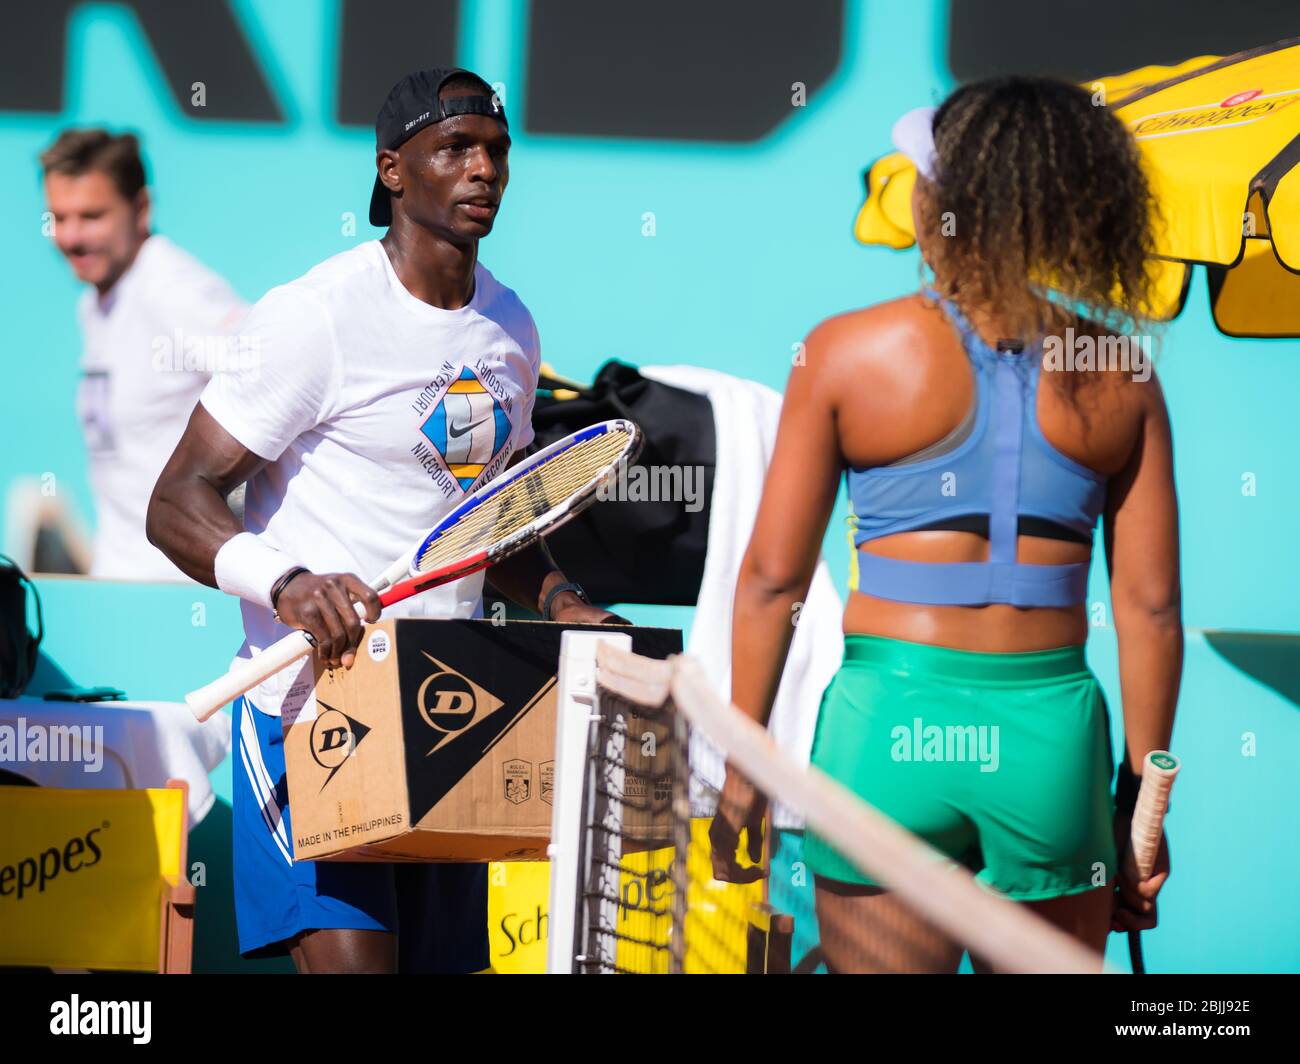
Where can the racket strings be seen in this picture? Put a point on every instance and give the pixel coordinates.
(519, 503)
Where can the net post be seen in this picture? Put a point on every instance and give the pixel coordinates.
(681, 806)
(567, 851)
(603, 841)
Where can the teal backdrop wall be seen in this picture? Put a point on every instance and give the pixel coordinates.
(751, 247)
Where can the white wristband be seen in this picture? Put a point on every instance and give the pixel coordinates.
(247, 567)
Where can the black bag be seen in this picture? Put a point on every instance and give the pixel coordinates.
(643, 548)
(18, 646)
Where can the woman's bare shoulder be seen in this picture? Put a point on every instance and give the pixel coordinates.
(876, 321)
(870, 339)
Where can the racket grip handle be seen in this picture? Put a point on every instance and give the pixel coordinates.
(1158, 772)
(398, 571)
(246, 675)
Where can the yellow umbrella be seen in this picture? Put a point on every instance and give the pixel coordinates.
(1220, 138)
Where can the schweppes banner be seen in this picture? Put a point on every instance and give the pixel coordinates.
(518, 897)
(716, 916)
(1220, 138)
(81, 875)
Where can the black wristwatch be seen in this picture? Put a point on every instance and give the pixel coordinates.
(558, 589)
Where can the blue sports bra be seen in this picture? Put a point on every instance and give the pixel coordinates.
(995, 474)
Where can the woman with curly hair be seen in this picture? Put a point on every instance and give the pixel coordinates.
(978, 462)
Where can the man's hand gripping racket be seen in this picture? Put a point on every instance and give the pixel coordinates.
(504, 516)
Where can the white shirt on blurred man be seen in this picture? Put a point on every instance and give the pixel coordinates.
(156, 324)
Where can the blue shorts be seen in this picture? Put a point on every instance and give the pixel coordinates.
(439, 909)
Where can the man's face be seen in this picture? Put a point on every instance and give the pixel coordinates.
(453, 175)
(97, 230)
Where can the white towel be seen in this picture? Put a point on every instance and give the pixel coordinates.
(745, 417)
(144, 745)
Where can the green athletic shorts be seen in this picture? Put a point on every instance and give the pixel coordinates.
(1000, 761)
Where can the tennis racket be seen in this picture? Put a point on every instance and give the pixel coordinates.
(1158, 772)
(504, 516)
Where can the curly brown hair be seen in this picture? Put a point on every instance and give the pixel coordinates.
(1043, 189)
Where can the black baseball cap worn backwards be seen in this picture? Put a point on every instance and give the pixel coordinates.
(413, 104)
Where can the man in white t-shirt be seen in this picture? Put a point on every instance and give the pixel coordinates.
(391, 380)
(155, 322)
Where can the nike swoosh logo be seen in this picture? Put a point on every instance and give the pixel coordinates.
(455, 433)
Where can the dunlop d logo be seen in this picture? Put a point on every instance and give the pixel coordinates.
(334, 738)
(450, 702)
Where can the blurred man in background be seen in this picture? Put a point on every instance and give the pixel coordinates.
(156, 324)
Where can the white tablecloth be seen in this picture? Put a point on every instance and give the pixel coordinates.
(141, 744)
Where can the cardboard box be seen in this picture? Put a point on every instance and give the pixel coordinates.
(437, 745)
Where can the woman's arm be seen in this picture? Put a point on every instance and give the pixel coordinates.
(1141, 531)
(774, 576)
(778, 566)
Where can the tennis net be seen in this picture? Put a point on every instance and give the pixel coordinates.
(632, 869)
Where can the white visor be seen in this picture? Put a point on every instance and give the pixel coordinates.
(913, 135)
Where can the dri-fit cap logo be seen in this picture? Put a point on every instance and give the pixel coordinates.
(334, 736)
(449, 702)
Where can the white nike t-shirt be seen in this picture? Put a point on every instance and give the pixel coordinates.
(150, 346)
(377, 413)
